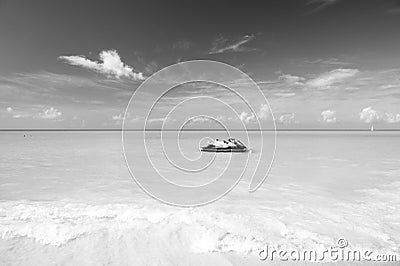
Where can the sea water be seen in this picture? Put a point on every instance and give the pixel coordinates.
(68, 198)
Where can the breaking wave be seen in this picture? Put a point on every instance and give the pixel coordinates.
(58, 225)
(132, 234)
(117, 233)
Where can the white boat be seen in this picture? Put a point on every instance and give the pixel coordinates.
(238, 147)
(372, 128)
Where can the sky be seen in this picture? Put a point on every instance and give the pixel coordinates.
(320, 63)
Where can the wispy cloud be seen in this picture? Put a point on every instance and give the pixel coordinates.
(11, 112)
(292, 79)
(285, 94)
(35, 112)
(329, 61)
(222, 45)
(389, 86)
(394, 10)
(289, 85)
(52, 89)
(118, 117)
(319, 5)
(183, 44)
(161, 120)
(110, 64)
(286, 118)
(329, 78)
(29, 97)
(200, 120)
(15, 113)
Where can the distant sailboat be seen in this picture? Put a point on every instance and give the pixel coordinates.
(372, 128)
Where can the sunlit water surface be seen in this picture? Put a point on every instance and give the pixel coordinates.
(68, 198)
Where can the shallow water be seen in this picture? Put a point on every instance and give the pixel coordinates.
(68, 198)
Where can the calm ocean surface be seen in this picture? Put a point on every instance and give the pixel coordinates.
(68, 198)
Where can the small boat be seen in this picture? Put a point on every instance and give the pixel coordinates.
(212, 148)
(238, 147)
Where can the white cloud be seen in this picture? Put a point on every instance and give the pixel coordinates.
(394, 10)
(220, 45)
(156, 120)
(209, 120)
(18, 116)
(327, 79)
(15, 114)
(110, 64)
(39, 112)
(328, 116)
(200, 120)
(183, 44)
(247, 118)
(392, 118)
(292, 79)
(50, 113)
(262, 114)
(351, 88)
(285, 94)
(388, 86)
(329, 61)
(369, 115)
(161, 120)
(286, 118)
(320, 4)
(118, 117)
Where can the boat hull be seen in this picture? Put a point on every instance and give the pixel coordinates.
(229, 149)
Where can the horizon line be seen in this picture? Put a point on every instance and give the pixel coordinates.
(194, 129)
